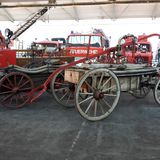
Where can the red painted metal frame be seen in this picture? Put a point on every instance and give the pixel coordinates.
(43, 87)
(7, 57)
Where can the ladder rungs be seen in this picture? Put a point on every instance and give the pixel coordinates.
(29, 22)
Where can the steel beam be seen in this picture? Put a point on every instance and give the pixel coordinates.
(80, 3)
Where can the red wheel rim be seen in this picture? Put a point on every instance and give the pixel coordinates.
(14, 90)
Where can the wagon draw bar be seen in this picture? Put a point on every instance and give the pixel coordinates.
(43, 87)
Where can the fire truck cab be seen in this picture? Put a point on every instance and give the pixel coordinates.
(140, 52)
(82, 45)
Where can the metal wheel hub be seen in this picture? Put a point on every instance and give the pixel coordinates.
(98, 95)
(72, 87)
(15, 89)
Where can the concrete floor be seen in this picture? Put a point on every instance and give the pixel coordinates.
(46, 131)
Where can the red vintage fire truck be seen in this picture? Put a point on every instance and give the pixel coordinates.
(82, 45)
(139, 52)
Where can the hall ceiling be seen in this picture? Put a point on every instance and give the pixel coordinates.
(20, 10)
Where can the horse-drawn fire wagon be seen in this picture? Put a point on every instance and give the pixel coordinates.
(90, 84)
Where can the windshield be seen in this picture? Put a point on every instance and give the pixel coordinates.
(144, 47)
(83, 40)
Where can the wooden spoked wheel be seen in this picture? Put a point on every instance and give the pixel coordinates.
(157, 92)
(102, 91)
(14, 89)
(141, 92)
(63, 91)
